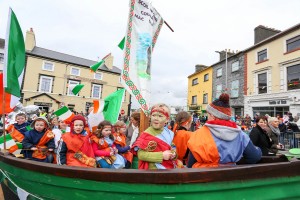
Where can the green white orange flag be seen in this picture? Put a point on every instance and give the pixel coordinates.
(107, 109)
(141, 37)
(64, 114)
(97, 65)
(14, 61)
(76, 88)
(11, 145)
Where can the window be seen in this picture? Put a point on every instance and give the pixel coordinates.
(1, 57)
(96, 91)
(195, 81)
(218, 90)
(71, 85)
(194, 100)
(234, 89)
(235, 66)
(98, 76)
(219, 72)
(262, 83)
(293, 43)
(75, 71)
(205, 77)
(48, 66)
(45, 84)
(262, 55)
(205, 98)
(293, 77)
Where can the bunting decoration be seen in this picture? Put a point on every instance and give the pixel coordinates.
(143, 28)
(96, 66)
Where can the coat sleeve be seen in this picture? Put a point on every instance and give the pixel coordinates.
(191, 160)
(27, 141)
(99, 152)
(252, 154)
(62, 153)
(122, 149)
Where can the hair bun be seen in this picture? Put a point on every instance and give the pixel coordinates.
(224, 97)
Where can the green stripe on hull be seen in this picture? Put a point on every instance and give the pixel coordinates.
(57, 187)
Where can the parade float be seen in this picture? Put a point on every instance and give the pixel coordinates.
(275, 177)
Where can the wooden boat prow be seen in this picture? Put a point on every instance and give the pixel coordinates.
(271, 178)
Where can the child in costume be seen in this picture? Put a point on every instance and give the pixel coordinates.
(153, 146)
(74, 148)
(220, 141)
(18, 129)
(104, 148)
(120, 142)
(39, 142)
(181, 129)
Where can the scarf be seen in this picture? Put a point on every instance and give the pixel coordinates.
(274, 130)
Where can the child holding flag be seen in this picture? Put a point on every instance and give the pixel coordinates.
(18, 129)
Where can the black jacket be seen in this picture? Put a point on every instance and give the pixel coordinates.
(260, 138)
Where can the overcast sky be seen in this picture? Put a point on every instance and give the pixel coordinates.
(93, 28)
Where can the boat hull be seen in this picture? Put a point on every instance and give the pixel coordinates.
(51, 184)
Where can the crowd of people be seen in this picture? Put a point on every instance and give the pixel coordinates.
(216, 141)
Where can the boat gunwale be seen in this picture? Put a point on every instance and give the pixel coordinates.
(173, 176)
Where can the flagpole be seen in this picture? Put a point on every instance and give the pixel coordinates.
(168, 26)
(3, 116)
(144, 122)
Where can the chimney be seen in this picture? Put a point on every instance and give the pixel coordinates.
(262, 32)
(109, 60)
(223, 54)
(30, 40)
(199, 68)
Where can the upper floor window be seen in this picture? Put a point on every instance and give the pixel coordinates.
(71, 85)
(45, 84)
(1, 57)
(219, 72)
(48, 66)
(262, 55)
(235, 66)
(218, 90)
(234, 89)
(293, 77)
(75, 71)
(96, 91)
(205, 77)
(205, 98)
(262, 83)
(293, 43)
(194, 100)
(98, 75)
(195, 81)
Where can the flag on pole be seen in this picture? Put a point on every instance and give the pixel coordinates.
(14, 57)
(108, 109)
(76, 88)
(97, 65)
(122, 44)
(11, 145)
(10, 100)
(14, 63)
(64, 114)
(142, 33)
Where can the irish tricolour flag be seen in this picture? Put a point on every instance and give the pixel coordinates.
(107, 109)
(11, 145)
(14, 63)
(64, 114)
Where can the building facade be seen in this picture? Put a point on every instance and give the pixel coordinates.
(200, 89)
(228, 76)
(49, 77)
(272, 73)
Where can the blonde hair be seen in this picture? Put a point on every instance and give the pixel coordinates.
(162, 106)
(118, 125)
